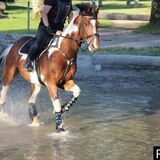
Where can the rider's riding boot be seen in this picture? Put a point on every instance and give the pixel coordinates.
(32, 54)
(58, 119)
(28, 64)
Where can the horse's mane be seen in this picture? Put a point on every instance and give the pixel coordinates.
(87, 9)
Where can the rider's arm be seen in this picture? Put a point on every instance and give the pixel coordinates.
(45, 12)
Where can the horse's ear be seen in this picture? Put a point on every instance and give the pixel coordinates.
(77, 20)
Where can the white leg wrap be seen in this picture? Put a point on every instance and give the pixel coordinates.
(3, 94)
(56, 104)
(76, 90)
(33, 97)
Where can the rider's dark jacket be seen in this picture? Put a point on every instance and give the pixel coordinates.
(58, 13)
(56, 17)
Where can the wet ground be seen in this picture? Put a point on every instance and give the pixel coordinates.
(116, 117)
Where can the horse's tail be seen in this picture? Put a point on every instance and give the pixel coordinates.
(3, 57)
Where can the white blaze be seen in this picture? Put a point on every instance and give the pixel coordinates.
(93, 22)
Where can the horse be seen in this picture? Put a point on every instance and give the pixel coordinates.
(56, 65)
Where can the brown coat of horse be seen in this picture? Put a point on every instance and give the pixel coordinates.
(57, 66)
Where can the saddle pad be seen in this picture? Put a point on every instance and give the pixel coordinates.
(26, 46)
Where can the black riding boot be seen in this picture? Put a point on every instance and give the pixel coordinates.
(32, 54)
(28, 64)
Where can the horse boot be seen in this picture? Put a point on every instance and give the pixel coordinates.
(58, 120)
(32, 111)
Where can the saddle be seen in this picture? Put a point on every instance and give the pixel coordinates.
(24, 50)
(26, 46)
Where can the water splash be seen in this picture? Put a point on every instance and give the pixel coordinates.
(6, 119)
(63, 136)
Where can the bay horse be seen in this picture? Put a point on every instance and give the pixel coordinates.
(57, 65)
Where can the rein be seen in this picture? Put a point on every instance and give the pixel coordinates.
(71, 61)
(78, 41)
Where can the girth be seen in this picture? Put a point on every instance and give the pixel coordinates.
(62, 81)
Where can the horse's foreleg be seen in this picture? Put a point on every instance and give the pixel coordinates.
(57, 106)
(35, 89)
(72, 87)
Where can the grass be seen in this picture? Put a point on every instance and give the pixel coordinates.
(17, 12)
(151, 51)
(119, 6)
(17, 21)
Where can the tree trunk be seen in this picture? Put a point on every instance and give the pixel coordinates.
(155, 12)
(2, 7)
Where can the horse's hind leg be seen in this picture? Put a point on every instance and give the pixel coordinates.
(7, 79)
(72, 87)
(35, 89)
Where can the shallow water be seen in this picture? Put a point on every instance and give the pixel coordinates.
(112, 119)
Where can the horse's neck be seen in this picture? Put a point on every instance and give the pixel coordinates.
(71, 27)
(71, 32)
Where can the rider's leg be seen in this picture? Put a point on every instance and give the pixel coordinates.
(31, 57)
(42, 40)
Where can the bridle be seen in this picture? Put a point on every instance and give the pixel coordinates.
(79, 41)
(70, 62)
(84, 40)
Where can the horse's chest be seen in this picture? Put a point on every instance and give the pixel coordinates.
(71, 72)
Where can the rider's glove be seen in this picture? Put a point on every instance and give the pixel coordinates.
(49, 29)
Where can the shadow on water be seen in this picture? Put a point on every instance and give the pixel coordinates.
(116, 117)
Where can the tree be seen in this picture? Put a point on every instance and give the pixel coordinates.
(155, 12)
(37, 8)
(2, 6)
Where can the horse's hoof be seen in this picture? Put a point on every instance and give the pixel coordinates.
(35, 122)
(60, 130)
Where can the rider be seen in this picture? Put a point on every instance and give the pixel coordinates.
(53, 18)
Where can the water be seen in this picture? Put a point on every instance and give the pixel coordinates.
(116, 117)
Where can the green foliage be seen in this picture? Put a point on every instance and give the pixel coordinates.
(119, 6)
(17, 20)
(17, 14)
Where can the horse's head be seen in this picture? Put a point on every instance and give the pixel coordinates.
(88, 25)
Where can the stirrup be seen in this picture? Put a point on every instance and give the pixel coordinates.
(28, 66)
